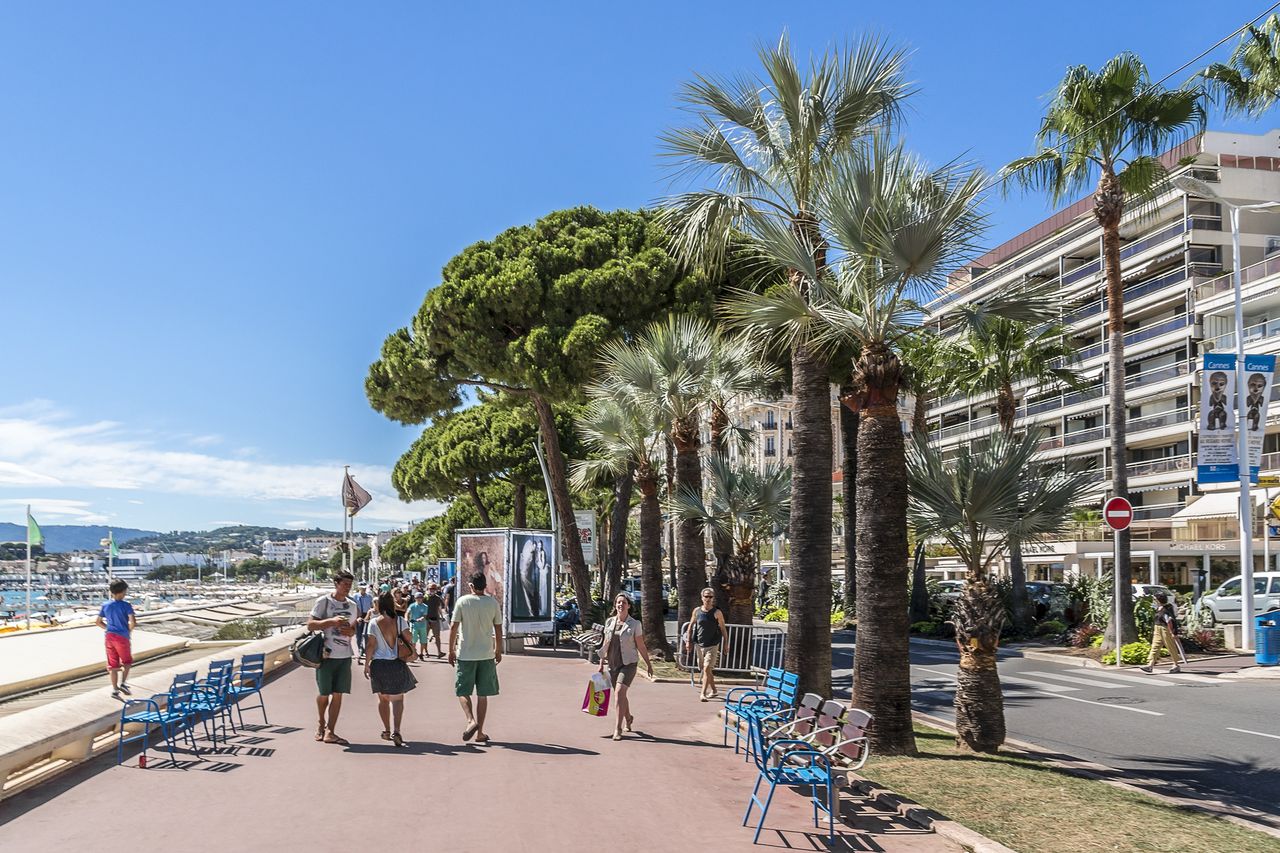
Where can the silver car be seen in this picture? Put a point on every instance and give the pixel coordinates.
(1225, 603)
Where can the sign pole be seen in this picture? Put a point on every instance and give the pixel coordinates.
(1117, 513)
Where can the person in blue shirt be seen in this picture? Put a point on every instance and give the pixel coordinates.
(417, 614)
(116, 616)
(364, 603)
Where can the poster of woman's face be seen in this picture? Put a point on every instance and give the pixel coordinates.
(483, 552)
(531, 577)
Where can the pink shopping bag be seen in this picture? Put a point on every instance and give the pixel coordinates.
(596, 702)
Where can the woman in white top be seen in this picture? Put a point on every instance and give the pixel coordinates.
(622, 649)
(389, 676)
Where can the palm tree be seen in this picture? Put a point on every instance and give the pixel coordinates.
(745, 505)
(768, 144)
(1249, 82)
(978, 503)
(1114, 124)
(1004, 354)
(896, 227)
(623, 436)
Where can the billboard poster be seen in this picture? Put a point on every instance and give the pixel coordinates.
(585, 519)
(446, 571)
(530, 584)
(483, 551)
(1216, 459)
(1259, 371)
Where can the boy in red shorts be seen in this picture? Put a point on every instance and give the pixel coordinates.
(116, 616)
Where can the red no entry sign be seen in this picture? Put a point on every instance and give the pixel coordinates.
(1117, 513)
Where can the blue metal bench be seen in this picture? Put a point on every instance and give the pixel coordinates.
(791, 762)
(743, 704)
(170, 712)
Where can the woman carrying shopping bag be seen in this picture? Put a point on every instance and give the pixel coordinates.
(622, 649)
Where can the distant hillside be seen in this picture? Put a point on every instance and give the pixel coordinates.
(59, 538)
(242, 537)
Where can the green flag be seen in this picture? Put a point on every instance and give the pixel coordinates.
(34, 536)
(110, 544)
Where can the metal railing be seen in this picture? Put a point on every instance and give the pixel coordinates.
(752, 648)
(1248, 275)
(1256, 332)
(1158, 375)
(1155, 239)
(1159, 466)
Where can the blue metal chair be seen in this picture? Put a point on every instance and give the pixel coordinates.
(791, 762)
(742, 704)
(248, 683)
(211, 702)
(171, 712)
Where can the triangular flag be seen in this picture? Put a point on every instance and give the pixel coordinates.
(34, 535)
(354, 498)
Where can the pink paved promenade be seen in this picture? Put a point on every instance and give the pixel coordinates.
(552, 779)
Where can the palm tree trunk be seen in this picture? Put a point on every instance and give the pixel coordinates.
(919, 586)
(622, 488)
(655, 631)
(1108, 207)
(671, 527)
(979, 704)
(809, 626)
(721, 542)
(1006, 413)
(881, 662)
(474, 494)
(691, 574)
(849, 504)
(519, 506)
(742, 572)
(569, 541)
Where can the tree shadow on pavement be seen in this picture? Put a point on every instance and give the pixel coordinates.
(538, 748)
(648, 738)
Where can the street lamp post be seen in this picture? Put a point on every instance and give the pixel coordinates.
(1197, 187)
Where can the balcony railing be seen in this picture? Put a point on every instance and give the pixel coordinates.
(1085, 435)
(1256, 332)
(1158, 375)
(1155, 239)
(1160, 419)
(1149, 332)
(1248, 275)
(1159, 466)
(1081, 272)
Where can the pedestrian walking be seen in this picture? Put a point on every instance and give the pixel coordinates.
(416, 613)
(1164, 634)
(364, 604)
(335, 614)
(707, 638)
(477, 623)
(450, 598)
(623, 647)
(389, 676)
(435, 615)
(117, 618)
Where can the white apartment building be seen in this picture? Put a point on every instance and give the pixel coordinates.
(1178, 303)
(291, 553)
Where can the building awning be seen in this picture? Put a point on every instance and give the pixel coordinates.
(1217, 505)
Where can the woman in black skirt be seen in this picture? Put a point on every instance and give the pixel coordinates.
(389, 676)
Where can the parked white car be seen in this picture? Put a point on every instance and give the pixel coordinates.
(1225, 603)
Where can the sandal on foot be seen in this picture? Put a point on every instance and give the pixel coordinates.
(629, 720)
(386, 735)
(396, 739)
(340, 741)
(482, 740)
(617, 735)
(469, 731)
(320, 732)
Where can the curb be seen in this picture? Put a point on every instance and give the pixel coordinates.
(1247, 818)
(925, 818)
(911, 811)
(1076, 660)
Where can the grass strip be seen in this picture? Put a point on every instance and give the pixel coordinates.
(1034, 807)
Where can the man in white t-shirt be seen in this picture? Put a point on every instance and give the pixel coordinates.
(336, 615)
(480, 619)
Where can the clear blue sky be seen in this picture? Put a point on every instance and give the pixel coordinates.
(211, 215)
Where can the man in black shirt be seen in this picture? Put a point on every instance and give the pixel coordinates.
(435, 608)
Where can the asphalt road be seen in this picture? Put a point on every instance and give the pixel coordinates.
(1190, 735)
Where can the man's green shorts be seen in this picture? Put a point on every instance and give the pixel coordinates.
(476, 676)
(419, 630)
(334, 676)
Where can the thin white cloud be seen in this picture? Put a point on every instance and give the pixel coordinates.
(42, 447)
(54, 510)
(135, 501)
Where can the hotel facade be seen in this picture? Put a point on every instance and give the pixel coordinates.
(1178, 304)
